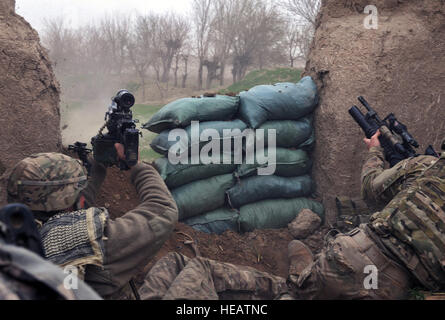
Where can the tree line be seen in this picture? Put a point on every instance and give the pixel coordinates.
(216, 35)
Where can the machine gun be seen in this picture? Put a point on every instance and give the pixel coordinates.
(18, 227)
(121, 129)
(395, 139)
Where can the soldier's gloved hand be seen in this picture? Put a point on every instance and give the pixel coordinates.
(120, 149)
(374, 141)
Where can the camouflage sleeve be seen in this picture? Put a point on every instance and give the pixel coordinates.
(132, 240)
(95, 181)
(373, 167)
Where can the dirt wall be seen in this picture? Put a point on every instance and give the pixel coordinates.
(29, 93)
(400, 68)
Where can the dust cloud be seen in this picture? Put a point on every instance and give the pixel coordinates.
(81, 123)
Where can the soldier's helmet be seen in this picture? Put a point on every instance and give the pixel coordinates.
(47, 182)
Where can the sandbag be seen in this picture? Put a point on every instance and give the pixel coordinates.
(275, 214)
(258, 188)
(218, 221)
(289, 163)
(282, 101)
(162, 146)
(180, 113)
(309, 144)
(289, 133)
(181, 174)
(202, 196)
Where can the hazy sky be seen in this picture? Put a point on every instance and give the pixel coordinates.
(78, 12)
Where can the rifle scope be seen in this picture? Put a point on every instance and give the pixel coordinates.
(124, 99)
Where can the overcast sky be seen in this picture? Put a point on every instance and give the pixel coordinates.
(78, 12)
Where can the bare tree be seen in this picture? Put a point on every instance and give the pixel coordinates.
(212, 65)
(202, 17)
(173, 32)
(257, 28)
(96, 53)
(182, 58)
(61, 42)
(244, 33)
(116, 32)
(297, 41)
(185, 56)
(142, 47)
(185, 59)
(228, 12)
(304, 9)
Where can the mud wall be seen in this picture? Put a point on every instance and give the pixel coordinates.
(400, 68)
(29, 93)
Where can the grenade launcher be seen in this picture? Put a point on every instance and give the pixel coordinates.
(395, 139)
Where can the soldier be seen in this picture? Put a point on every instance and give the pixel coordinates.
(24, 275)
(106, 252)
(401, 245)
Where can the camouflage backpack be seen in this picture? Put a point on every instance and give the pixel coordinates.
(412, 226)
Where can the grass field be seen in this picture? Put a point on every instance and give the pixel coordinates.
(258, 77)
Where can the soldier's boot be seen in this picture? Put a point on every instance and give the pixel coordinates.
(300, 257)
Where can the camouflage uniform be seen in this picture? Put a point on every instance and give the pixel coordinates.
(412, 225)
(404, 241)
(26, 276)
(107, 252)
(176, 277)
(381, 186)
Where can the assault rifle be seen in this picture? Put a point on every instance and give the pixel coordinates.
(395, 139)
(121, 129)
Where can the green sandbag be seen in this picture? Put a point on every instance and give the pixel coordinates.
(181, 174)
(275, 214)
(282, 101)
(289, 163)
(217, 222)
(162, 146)
(260, 188)
(180, 113)
(202, 196)
(309, 144)
(289, 133)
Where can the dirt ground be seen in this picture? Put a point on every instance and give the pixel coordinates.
(265, 250)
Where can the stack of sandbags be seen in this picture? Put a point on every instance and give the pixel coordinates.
(273, 201)
(217, 197)
(198, 189)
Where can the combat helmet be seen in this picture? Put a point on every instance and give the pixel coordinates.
(47, 182)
